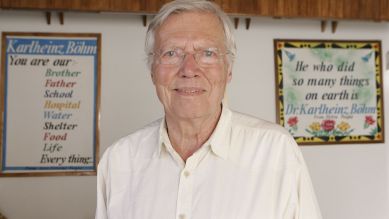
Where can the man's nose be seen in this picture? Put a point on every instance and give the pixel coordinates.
(189, 67)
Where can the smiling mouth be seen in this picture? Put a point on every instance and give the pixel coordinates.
(189, 91)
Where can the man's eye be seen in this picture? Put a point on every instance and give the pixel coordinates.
(209, 53)
(170, 53)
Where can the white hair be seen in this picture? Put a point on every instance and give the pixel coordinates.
(179, 6)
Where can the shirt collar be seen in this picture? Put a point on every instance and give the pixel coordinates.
(163, 140)
(219, 140)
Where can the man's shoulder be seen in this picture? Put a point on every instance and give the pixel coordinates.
(142, 141)
(251, 123)
(259, 133)
(260, 140)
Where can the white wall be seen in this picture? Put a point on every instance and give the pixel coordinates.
(351, 180)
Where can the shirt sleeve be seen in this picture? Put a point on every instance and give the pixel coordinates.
(101, 207)
(307, 205)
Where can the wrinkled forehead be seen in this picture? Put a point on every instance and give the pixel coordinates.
(199, 27)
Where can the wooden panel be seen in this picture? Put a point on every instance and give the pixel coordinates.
(79, 5)
(384, 9)
(323, 9)
(291, 8)
(125, 5)
(278, 7)
(230, 6)
(350, 9)
(309, 8)
(243, 7)
(25, 4)
(153, 6)
(246, 7)
(354, 9)
(369, 9)
(296, 8)
(84, 5)
(335, 8)
(263, 7)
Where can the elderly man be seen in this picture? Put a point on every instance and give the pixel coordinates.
(202, 160)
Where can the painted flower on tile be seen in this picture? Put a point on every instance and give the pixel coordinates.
(328, 125)
(343, 126)
(369, 121)
(315, 126)
(292, 121)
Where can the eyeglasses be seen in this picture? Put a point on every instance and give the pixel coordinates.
(175, 56)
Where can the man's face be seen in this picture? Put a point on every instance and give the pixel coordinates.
(190, 90)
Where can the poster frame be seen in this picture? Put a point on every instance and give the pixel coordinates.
(96, 84)
(281, 73)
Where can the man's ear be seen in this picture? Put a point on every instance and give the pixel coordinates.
(152, 77)
(229, 76)
(229, 73)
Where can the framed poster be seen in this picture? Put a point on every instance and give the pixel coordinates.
(330, 91)
(50, 98)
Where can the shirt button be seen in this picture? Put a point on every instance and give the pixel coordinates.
(186, 174)
(181, 216)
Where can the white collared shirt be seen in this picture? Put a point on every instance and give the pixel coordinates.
(248, 169)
